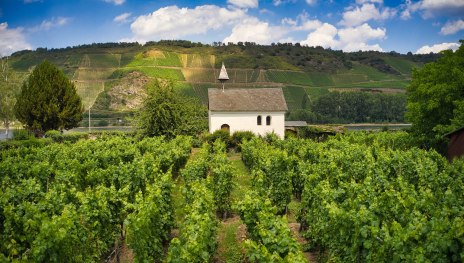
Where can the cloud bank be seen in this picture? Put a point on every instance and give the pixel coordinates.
(11, 40)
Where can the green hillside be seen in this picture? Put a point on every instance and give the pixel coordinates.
(195, 67)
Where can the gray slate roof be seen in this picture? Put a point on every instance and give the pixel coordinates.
(295, 124)
(261, 99)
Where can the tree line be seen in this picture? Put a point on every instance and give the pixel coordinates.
(352, 107)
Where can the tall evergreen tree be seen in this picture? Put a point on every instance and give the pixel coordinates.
(48, 101)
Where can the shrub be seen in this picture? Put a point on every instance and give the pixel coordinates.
(55, 135)
(239, 137)
(22, 134)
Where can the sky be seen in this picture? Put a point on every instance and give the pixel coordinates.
(421, 26)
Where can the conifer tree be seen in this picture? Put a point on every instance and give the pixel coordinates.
(48, 101)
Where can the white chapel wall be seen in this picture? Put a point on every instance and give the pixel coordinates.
(247, 121)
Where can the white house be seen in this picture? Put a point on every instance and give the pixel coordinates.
(260, 110)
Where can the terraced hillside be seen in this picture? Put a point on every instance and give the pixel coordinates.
(302, 71)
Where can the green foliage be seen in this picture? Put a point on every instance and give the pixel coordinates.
(289, 77)
(272, 171)
(436, 99)
(373, 197)
(155, 58)
(70, 202)
(197, 240)
(270, 238)
(222, 174)
(48, 100)
(165, 112)
(352, 107)
(149, 227)
(73, 137)
(239, 137)
(152, 72)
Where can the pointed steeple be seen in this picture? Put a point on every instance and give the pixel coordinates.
(223, 77)
(223, 74)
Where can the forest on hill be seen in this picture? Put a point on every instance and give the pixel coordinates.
(320, 85)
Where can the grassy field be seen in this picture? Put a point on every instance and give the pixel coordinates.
(211, 75)
(321, 79)
(186, 89)
(155, 58)
(89, 91)
(197, 60)
(101, 60)
(315, 93)
(289, 77)
(152, 72)
(401, 65)
(294, 97)
(92, 74)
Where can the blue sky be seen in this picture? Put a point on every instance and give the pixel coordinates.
(420, 26)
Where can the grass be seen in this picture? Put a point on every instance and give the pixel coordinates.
(315, 93)
(200, 74)
(89, 91)
(294, 97)
(229, 248)
(370, 73)
(201, 91)
(200, 60)
(211, 75)
(289, 77)
(321, 79)
(401, 65)
(293, 210)
(104, 60)
(92, 74)
(152, 72)
(185, 89)
(394, 84)
(243, 178)
(155, 58)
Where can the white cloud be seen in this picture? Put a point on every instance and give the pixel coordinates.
(361, 33)
(311, 2)
(308, 25)
(282, 2)
(366, 12)
(115, 2)
(347, 39)
(433, 8)
(48, 24)
(289, 21)
(244, 3)
(437, 48)
(122, 18)
(11, 40)
(360, 2)
(254, 30)
(355, 38)
(324, 36)
(172, 22)
(452, 27)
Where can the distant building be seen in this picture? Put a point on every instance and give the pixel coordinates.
(259, 110)
(456, 144)
(292, 126)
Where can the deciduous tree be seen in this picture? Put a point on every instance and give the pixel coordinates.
(166, 112)
(435, 103)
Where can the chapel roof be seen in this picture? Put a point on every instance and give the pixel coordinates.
(242, 100)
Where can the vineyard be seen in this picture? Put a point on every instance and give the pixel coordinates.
(365, 197)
